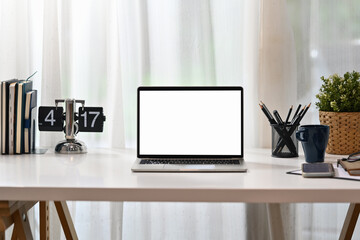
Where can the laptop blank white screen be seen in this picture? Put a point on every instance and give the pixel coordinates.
(190, 122)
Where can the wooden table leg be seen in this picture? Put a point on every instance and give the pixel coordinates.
(275, 221)
(15, 212)
(5, 222)
(22, 226)
(65, 219)
(350, 221)
(14, 235)
(44, 220)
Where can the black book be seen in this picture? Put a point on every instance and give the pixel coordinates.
(30, 121)
(23, 88)
(4, 115)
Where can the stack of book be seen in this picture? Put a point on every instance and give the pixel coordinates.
(18, 116)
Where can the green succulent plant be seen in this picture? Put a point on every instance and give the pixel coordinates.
(340, 94)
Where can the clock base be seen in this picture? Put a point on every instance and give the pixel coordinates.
(71, 147)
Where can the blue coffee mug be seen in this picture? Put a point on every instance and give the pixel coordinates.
(314, 139)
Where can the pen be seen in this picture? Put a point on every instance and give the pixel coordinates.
(288, 116)
(278, 118)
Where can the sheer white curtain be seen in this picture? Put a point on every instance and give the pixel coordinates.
(101, 51)
(326, 37)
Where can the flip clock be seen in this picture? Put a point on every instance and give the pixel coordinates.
(87, 119)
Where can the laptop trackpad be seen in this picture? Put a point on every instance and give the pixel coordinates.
(189, 167)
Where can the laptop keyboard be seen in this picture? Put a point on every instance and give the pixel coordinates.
(190, 161)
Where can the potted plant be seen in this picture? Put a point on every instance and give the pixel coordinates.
(339, 108)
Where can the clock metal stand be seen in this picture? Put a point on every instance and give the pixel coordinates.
(70, 144)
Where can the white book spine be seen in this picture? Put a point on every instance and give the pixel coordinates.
(3, 116)
(11, 117)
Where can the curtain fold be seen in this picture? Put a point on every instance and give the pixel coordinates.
(277, 87)
(51, 73)
(114, 87)
(15, 42)
(277, 84)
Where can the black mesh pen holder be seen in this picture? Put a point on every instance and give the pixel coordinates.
(283, 140)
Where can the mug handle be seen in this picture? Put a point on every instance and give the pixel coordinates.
(302, 135)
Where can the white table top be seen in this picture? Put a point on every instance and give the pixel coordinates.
(105, 175)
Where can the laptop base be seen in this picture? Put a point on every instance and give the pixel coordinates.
(137, 167)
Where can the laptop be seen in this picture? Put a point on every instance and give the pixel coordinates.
(190, 129)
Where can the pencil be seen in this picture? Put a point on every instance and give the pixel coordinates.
(297, 116)
(288, 116)
(268, 112)
(272, 121)
(296, 112)
(307, 108)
